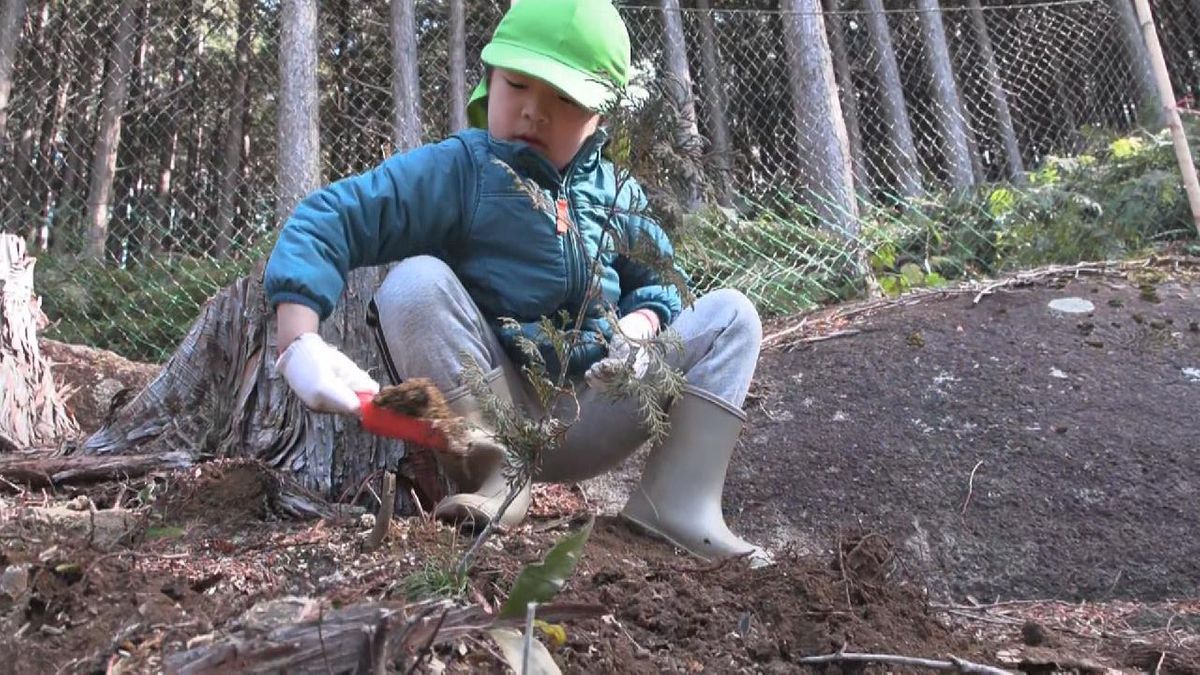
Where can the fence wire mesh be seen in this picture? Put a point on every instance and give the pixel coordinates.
(843, 146)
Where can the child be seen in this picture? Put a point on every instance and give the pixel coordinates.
(474, 247)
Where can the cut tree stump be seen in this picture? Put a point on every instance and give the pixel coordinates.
(32, 412)
(218, 396)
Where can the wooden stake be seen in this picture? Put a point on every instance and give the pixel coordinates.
(1166, 94)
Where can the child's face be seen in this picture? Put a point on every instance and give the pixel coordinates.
(524, 108)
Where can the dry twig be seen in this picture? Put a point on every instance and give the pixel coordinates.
(955, 663)
(970, 488)
(427, 649)
(383, 520)
(321, 639)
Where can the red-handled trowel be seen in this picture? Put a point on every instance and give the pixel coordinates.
(383, 421)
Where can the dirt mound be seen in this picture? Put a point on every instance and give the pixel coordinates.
(673, 613)
(95, 380)
(223, 492)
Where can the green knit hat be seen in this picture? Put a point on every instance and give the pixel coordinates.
(580, 47)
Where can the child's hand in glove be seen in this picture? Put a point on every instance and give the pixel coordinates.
(625, 351)
(325, 379)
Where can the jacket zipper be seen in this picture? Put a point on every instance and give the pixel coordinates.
(573, 246)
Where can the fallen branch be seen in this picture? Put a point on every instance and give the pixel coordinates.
(769, 339)
(1056, 271)
(955, 663)
(828, 336)
(47, 470)
(348, 639)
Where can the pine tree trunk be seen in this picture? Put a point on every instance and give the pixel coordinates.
(160, 224)
(714, 105)
(847, 96)
(46, 167)
(12, 13)
(821, 129)
(231, 152)
(679, 88)
(406, 85)
(1008, 134)
(951, 120)
(108, 136)
(299, 140)
(902, 150)
(68, 230)
(31, 411)
(23, 194)
(458, 67)
(1149, 111)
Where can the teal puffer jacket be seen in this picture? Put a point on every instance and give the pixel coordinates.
(520, 235)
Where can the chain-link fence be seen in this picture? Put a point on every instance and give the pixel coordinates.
(908, 145)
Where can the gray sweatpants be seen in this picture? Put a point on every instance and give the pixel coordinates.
(430, 323)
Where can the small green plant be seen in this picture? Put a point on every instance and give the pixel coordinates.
(437, 578)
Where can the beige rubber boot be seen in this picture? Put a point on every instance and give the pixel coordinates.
(679, 497)
(479, 473)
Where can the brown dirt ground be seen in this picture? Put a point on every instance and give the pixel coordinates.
(1010, 451)
(856, 467)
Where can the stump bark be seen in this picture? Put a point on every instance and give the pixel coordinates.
(32, 411)
(218, 396)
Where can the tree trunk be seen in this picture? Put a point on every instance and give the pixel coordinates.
(123, 242)
(231, 152)
(847, 95)
(46, 169)
(1149, 111)
(458, 67)
(823, 148)
(679, 88)
(901, 150)
(160, 223)
(299, 130)
(406, 85)
(68, 233)
(108, 136)
(1008, 134)
(31, 411)
(715, 105)
(12, 13)
(23, 195)
(951, 120)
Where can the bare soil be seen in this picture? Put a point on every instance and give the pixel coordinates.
(1010, 450)
(991, 481)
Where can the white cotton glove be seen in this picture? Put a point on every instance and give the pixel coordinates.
(322, 377)
(623, 352)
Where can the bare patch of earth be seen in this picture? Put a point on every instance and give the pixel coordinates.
(1012, 451)
(195, 570)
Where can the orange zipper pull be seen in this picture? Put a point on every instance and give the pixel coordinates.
(563, 222)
